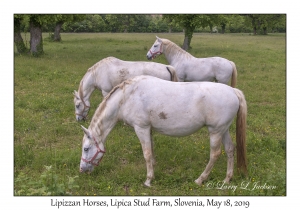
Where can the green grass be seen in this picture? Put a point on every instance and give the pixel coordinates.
(47, 134)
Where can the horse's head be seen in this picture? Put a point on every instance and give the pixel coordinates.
(81, 107)
(92, 151)
(156, 49)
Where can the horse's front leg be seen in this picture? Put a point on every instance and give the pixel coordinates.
(146, 141)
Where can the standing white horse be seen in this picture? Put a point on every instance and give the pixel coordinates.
(175, 109)
(110, 72)
(189, 68)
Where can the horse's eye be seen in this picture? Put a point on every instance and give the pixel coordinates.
(77, 106)
(86, 149)
(155, 45)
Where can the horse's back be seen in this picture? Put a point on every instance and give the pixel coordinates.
(128, 69)
(177, 109)
(112, 71)
(219, 67)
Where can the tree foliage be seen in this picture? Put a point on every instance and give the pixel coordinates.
(60, 20)
(265, 21)
(126, 23)
(189, 22)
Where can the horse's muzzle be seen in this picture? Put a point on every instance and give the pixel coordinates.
(149, 57)
(86, 169)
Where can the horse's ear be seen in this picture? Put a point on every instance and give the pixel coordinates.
(158, 39)
(75, 93)
(86, 131)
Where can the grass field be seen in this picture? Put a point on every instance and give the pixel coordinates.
(47, 138)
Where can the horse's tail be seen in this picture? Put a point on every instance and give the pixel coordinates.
(241, 132)
(173, 74)
(234, 75)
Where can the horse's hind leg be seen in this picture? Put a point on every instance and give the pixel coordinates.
(229, 148)
(152, 146)
(146, 141)
(215, 151)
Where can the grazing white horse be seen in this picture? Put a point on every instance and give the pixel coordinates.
(110, 72)
(189, 68)
(174, 109)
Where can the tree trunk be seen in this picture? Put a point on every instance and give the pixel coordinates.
(18, 40)
(57, 29)
(265, 30)
(211, 28)
(36, 39)
(254, 25)
(223, 28)
(188, 34)
(185, 45)
(254, 30)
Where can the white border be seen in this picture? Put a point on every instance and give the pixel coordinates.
(8, 8)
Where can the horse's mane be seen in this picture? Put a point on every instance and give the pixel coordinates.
(101, 108)
(102, 105)
(104, 61)
(171, 46)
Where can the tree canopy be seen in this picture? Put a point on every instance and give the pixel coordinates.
(189, 22)
(126, 23)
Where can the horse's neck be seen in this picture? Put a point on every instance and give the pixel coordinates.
(87, 85)
(105, 117)
(174, 54)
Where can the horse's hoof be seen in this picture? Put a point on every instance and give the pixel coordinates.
(226, 180)
(198, 182)
(147, 184)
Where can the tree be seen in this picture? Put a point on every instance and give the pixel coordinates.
(211, 21)
(120, 23)
(271, 21)
(37, 21)
(236, 24)
(18, 40)
(223, 21)
(97, 23)
(265, 21)
(189, 22)
(141, 24)
(127, 22)
(60, 20)
(36, 40)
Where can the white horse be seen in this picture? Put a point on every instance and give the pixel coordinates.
(175, 109)
(189, 68)
(110, 72)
